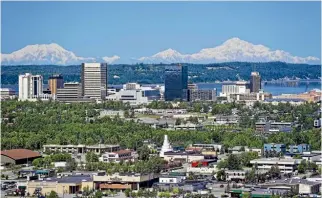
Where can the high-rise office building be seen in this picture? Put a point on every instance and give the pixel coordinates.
(255, 82)
(55, 82)
(94, 80)
(176, 82)
(30, 86)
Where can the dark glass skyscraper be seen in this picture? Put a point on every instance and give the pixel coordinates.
(176, 82)
(255, 82)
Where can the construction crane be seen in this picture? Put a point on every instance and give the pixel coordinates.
(238, 77)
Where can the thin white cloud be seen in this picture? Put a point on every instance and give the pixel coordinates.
(111, 59)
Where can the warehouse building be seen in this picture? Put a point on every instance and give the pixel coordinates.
(18, 156)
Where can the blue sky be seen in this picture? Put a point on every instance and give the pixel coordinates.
(135, 29)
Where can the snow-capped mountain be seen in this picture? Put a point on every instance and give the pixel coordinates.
(233, 49)
(48, 54)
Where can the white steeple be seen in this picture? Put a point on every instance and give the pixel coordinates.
(166, 146)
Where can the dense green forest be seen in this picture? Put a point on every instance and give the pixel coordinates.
(32, 124)
(151, 74)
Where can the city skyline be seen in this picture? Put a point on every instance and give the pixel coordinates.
(133, 36)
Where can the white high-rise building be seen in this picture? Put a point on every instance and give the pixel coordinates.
(239, 87)
(166, 147)
(94, 80)
(30, 86)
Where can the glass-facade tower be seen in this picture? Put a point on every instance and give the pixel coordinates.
(176, 82)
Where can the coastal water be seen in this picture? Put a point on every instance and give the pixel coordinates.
(273, 88)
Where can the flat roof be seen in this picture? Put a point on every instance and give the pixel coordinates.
(292, 181)
(82, 145)
(68, 179)
(275, 161)
(182, 153)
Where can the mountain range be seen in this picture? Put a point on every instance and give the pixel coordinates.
(231, 50)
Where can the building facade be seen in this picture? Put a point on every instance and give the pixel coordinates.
(239, 87)
(7, 93)
(71, 91)
(176, 82)
(30, 86)
(251, 96)
(131, 86)
(202, 95)
(299, 148)
(235, 175)
(117, 156)
(81, 148)
(124, 181)
(279, 148)
(94, 80)
(311, 96)
(285, 165)
(192, 86)
(255, 82)
(55, 82)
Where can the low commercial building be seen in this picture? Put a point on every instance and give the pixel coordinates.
(311, 96)
(7, 93)
(18, 156)
(111, 113)
(235, 175)
(188, 126)
(185, 186)
(214, 147)
(259, 151)
(286, 165)
(257, 192)
(272, 126)
(120, 181)
(312, 157)
(250, 96)
(183, 156)
(278, 148)
(157, 123)
(202, 95)
(300, 186)
(276, 101)
(63, 185)
(316, 179)
(226, 119)
(301, 148)
(143, 95)
(170, 179)
(202, 167)
(237, 149)
(203, 170)
(79, 173)
(81, 148)
(117, 156)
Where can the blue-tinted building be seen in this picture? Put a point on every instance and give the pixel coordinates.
(151, 94)
(299, 148)
(280, 148)
(175, 82)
